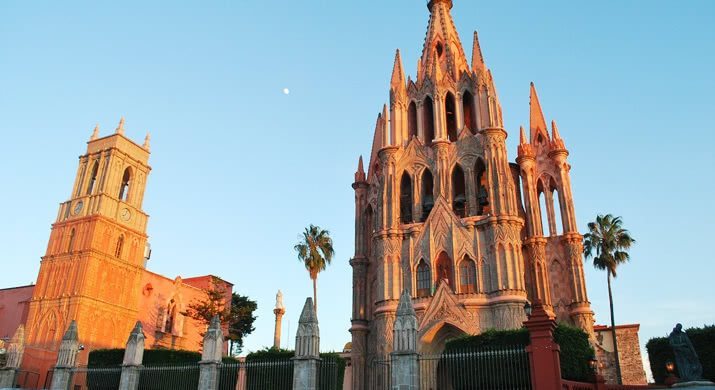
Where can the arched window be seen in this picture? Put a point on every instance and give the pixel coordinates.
(424, 279)
(170, 317)
(428, 120)
(444, 270)
(406, 198)
(120, 246)
(558, 217)
(70, 246)
(451, 116)
(459, 198)
(427, 194)
(467, 276)
(481, 187)
(126, 181)
(543, 209)
(470, 120)
(412, 121)
(93, 178)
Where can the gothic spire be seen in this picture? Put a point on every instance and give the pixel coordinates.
(537, 123)
(120, 127)
(146, 141)
(360, 173)
(397, 82)
(442, 43)
(522, 136)
(95, 133)
(477, 58)
(555, 131)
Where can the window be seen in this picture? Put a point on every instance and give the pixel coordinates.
(481, 185)
(412, 121)
(120, 246)
(467, 276)
(423, 280)
(470, 120)
(450, 112)
(459, 198)
(427, 194)
(93, 178)
(444, 270)
(126, 181)
(170, 317)
(70, 246)
(428, 120)
(406, 198)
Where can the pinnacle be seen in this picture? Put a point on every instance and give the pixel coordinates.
(360, 167)
(95, 133)
(477, 57)
(308, 313)
(120, 127)
(71, 333)
(522, 136)
(537, 123)
(397, 82)
(555, 131)
(146, 141)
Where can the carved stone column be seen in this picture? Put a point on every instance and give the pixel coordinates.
(405, 367)
(580, 308)
(133, 356)
(211, 356)
(307, 349)
(66, 359)
(536, 248)
(15, 349)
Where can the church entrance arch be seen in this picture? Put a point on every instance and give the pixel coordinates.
(435, 370)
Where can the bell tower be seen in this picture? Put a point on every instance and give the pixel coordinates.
(92, 267)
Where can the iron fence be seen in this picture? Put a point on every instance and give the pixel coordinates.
(27, 380)
(169, 377)
(268, 374)
(105, 378)
(380, 376)
(329, 375)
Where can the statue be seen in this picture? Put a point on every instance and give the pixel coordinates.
(686, 359)
(279, 300)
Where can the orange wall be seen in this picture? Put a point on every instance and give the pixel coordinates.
(13, 308)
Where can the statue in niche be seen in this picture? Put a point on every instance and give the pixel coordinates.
(279, 300)
(686, 359)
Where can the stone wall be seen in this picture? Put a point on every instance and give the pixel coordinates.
(629, 352)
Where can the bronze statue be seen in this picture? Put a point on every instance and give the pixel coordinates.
(686, 359)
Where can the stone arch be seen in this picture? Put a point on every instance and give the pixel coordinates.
(428, 120)
(406, 198)
(412, 120)
(125, 186)
(459, 192)
(444, 269)
(433, 338)
(467, 276)
(450, 114)
(470, 118)
(481, 186)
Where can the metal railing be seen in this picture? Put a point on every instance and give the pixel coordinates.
(380, 375)
(267, 374)
(328, 378)
(169, 377)
(105, 378)
(27, 380)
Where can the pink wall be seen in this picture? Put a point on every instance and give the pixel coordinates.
(13, 308)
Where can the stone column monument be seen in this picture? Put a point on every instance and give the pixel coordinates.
(405, 367)
(66, 359)
(278, 311)
(133, 356)
(307, 349)
(211, 356)
(15, 349)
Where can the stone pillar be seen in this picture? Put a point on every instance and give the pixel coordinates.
(66, 359)
(8, 374)
(405, 367)
(133, 356)
(278, 311)
(211, 356)
(544, 363)
(307, 349)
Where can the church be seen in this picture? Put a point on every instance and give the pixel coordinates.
(94, 268)
(441, 211)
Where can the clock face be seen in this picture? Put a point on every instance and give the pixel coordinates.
(78, 207)
(125, 214)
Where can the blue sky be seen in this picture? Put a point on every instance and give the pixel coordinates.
(239, 168)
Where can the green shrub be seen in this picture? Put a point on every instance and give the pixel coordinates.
(114, 357)
(703, 340)
(573, 342)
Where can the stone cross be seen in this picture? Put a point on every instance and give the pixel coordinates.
(66, 358)
(405, 366)
(133, 356)
(211, 355)
(307, 349)
(15, 349)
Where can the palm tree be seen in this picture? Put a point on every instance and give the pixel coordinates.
(315, 250)
(610, 242)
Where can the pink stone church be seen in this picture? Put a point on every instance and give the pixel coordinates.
(442, 212)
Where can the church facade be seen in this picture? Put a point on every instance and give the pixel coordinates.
(94, 268)
(441, 212)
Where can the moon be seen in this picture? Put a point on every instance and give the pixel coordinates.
(286, 91)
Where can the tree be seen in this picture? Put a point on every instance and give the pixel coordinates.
(237, 316)
(315, 250)
(608, 243)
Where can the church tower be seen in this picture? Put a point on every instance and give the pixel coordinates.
(439, 211)
(92, 267)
